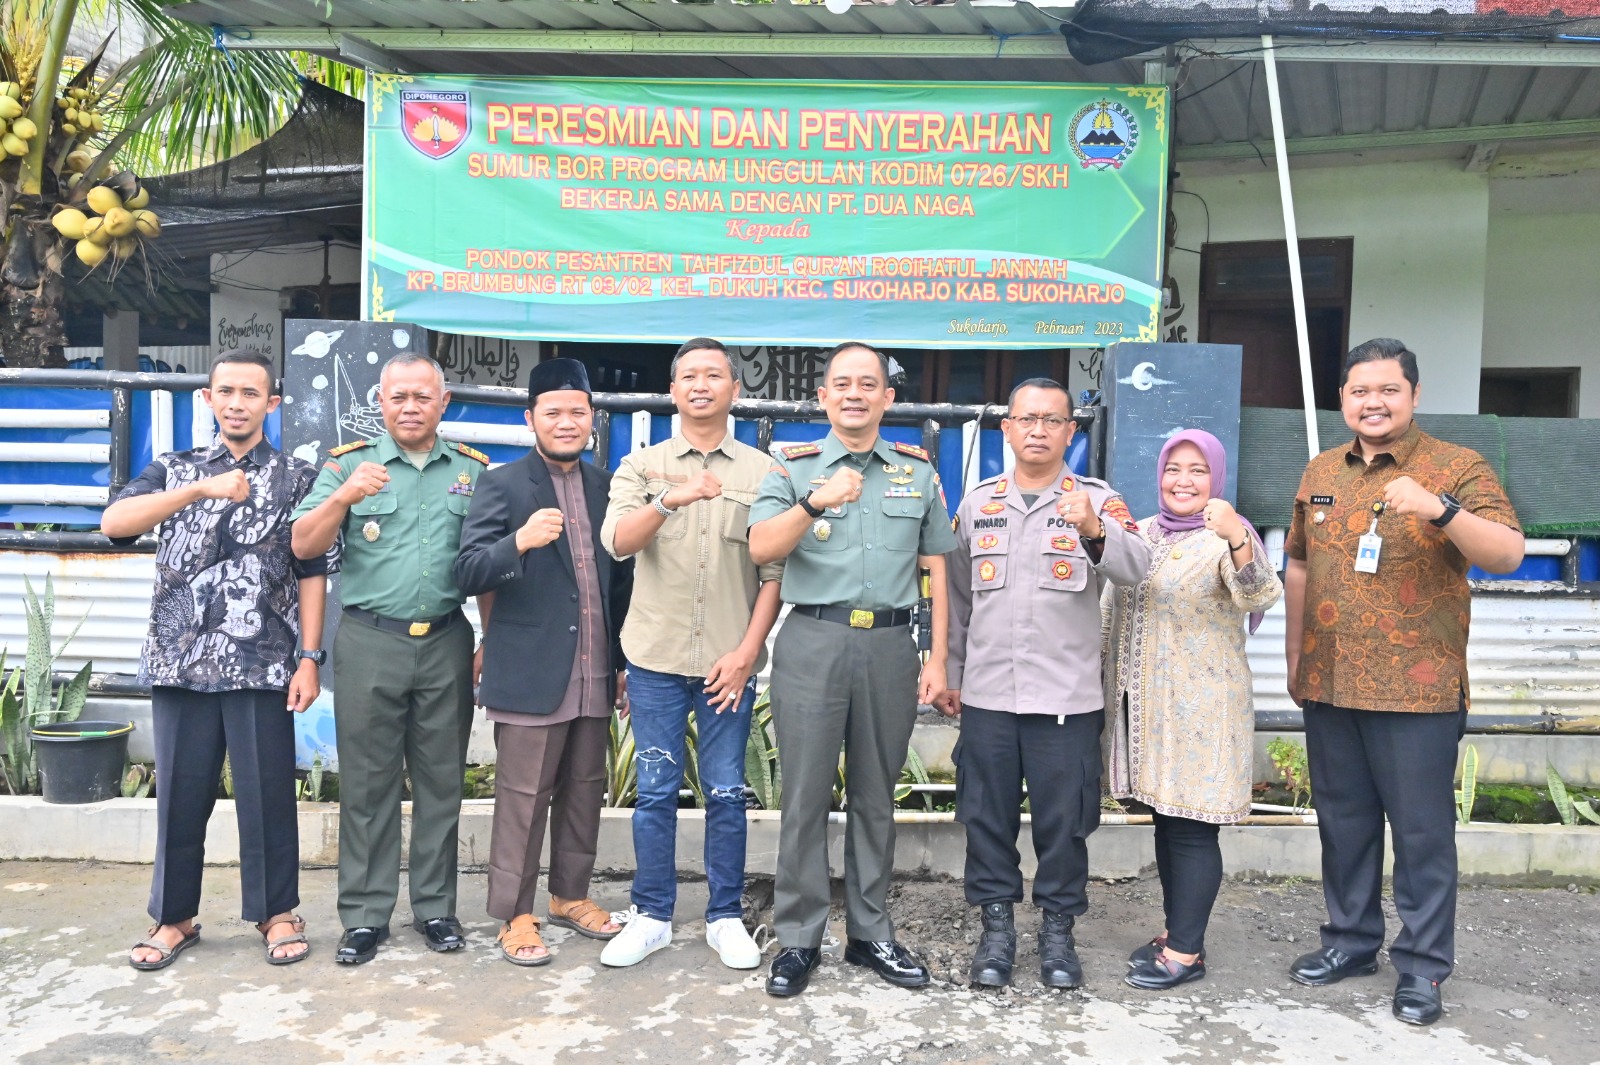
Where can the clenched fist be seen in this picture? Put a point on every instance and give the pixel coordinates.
(366, 480)
(231, 486)
(843, 487)
(541, 528)
(1405, 496)
(1223, 520)
(704, 485)
(1078, 509)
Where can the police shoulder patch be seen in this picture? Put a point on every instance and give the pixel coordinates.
(800, 451)
(472, 453)
(914, 451)
(345, 449)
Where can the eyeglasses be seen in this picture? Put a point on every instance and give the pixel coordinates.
(1052, 422)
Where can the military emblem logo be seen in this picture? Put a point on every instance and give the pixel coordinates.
(1062, 570)
(992, 508)
(1103, 135)
(435, 122)
(987, 540)
(1063, 543)
(1117, 510)
(986, 571)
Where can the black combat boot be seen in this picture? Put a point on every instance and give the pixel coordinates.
(1058, 954)
(997, 946)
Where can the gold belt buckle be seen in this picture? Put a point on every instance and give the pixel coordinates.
(421, 628)
(861, 619)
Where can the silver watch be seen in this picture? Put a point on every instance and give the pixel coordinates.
(659, 502)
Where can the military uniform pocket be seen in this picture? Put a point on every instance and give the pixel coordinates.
(1066, 565)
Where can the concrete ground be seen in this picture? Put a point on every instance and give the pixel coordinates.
(1525, 989)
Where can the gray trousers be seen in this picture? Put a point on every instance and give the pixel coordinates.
(403, 704)
(833, 685)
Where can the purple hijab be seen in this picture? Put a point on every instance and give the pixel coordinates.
(1216, 457)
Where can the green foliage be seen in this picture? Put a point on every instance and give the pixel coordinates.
(1467, 794)
(622, 774)
(914, 773)
(137, 780)
(28, 697)
(761, 769)
(1568, 809)
(310, 789)
(1289, 759)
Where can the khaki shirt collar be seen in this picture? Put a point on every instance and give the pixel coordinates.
(1399, 452)
(680, 445)
(386, 449)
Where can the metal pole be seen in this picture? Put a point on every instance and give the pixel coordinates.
(1292, 237)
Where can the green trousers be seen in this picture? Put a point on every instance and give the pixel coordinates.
(401, 704)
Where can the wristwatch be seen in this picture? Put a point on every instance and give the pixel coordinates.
(1452, 507)
(319, 657)
(659, 502)
(810, 507)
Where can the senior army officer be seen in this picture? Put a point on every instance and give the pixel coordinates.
(856, 517)
(1033, 549)
(402, 657)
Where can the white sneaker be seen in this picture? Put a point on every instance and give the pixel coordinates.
(732, 943)
(640, 937)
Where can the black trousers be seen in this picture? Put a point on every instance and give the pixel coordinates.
(1060, 760)
(193, 730)
(1366, 764)
(1189, 863)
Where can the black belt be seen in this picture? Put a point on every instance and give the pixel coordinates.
(420, 627)
(857, 619)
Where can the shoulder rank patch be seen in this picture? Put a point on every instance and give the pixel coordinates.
(914, 451)
(1002, 486)
(473, 454)
(345, 449)
(800, 451)
(1068, 484)
(1115, 509)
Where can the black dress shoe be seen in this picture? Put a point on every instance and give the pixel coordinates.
(1149, 951)
(889, 960)
(997, 946)
(791, 970)
(1330, 965)
(1416, 1000)
(1058, 953)
(358, 945)
(441, 933)
(1162, 972)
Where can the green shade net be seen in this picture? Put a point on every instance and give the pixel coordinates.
(1541, 461)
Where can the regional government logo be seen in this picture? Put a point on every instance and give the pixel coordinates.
(434, 121)
(1104, 135)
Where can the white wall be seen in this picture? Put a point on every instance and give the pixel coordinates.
(244, 303)
(1421, 239)
(1542, 296)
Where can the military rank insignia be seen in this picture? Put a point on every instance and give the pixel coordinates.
(1117, 510)
(1062, 570)
(912, 450)
(1063, 543)
(1068, 484)
(992, 508)
(987, 571)
(987, 541)
(1001, 486)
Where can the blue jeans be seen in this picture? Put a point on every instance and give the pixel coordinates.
(660, 704)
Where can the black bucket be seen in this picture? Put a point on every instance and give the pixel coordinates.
(82, 761)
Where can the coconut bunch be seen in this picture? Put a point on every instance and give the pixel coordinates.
(113, 220)
(17, 130)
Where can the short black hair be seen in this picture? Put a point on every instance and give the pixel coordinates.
(241, 357)
(701, 344)
(852, 345)
(1377, 350)
(1039, 382)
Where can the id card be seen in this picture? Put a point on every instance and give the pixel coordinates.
(1367, 550)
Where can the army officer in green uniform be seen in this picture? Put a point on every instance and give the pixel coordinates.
(856, 518)
(403, 655)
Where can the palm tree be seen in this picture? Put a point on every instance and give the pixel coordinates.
(73, 133)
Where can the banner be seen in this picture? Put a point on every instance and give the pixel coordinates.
(800, 212)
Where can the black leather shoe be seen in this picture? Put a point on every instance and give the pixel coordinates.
(1162, 972)
(1330, 965)
(359, 945)
(791, 970)
(1416, 1000)
(1149, 951)
(997, 946)
(889, 960)
(441, 933)
(1058, 953)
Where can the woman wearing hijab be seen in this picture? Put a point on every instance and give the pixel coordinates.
(1180, 726)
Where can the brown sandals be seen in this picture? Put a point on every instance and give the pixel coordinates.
(294, 921)
(583, 917)
(519, 934)
(168, 954)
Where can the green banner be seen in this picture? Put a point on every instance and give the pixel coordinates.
(916, 214)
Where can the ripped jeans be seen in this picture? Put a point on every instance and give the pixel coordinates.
(660, 704)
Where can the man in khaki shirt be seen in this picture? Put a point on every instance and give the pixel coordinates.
(694, 639)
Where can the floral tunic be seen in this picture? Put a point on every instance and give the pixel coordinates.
(1180, 735)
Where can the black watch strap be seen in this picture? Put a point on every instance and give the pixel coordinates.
(319, 657)
(1452, 507)
(810, 507)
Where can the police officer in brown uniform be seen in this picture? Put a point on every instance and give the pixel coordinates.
(1034, 548)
